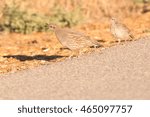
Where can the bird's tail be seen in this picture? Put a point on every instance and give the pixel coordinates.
(95, 44)
(131, 36)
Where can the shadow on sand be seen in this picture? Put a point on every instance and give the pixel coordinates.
(36, 57)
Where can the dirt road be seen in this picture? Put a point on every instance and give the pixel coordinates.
(120, 72)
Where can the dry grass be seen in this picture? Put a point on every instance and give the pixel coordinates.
(91, 9)
(2, 5)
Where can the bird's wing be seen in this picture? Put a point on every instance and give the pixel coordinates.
(128, 30)
(82, 39)
(123, 27)
(74, 38)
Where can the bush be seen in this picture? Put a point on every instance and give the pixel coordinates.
(19, 21)
(65, 18)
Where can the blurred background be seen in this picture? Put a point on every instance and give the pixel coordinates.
(25, 41)
(26, 16)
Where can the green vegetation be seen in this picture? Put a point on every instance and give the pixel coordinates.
(16, 20)
(69, 19)
(20, 21)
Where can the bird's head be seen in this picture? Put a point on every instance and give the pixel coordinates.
(113, 20)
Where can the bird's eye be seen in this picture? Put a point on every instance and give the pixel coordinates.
(52, 27)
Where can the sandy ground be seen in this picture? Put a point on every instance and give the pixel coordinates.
(19, 52)
(119, 72)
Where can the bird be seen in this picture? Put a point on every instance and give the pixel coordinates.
(73, 40)
(120, 31)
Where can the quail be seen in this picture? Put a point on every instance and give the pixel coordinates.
(120, 31)
(71, 39)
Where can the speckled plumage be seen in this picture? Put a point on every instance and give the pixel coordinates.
(72, 39)
(120, 31)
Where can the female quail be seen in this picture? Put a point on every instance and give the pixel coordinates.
(120, 31)
(72, 39)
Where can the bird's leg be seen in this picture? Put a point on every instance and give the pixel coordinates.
(71, 56)
(125, 40)
(74, 54)
(119, 40)
(81, 52)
